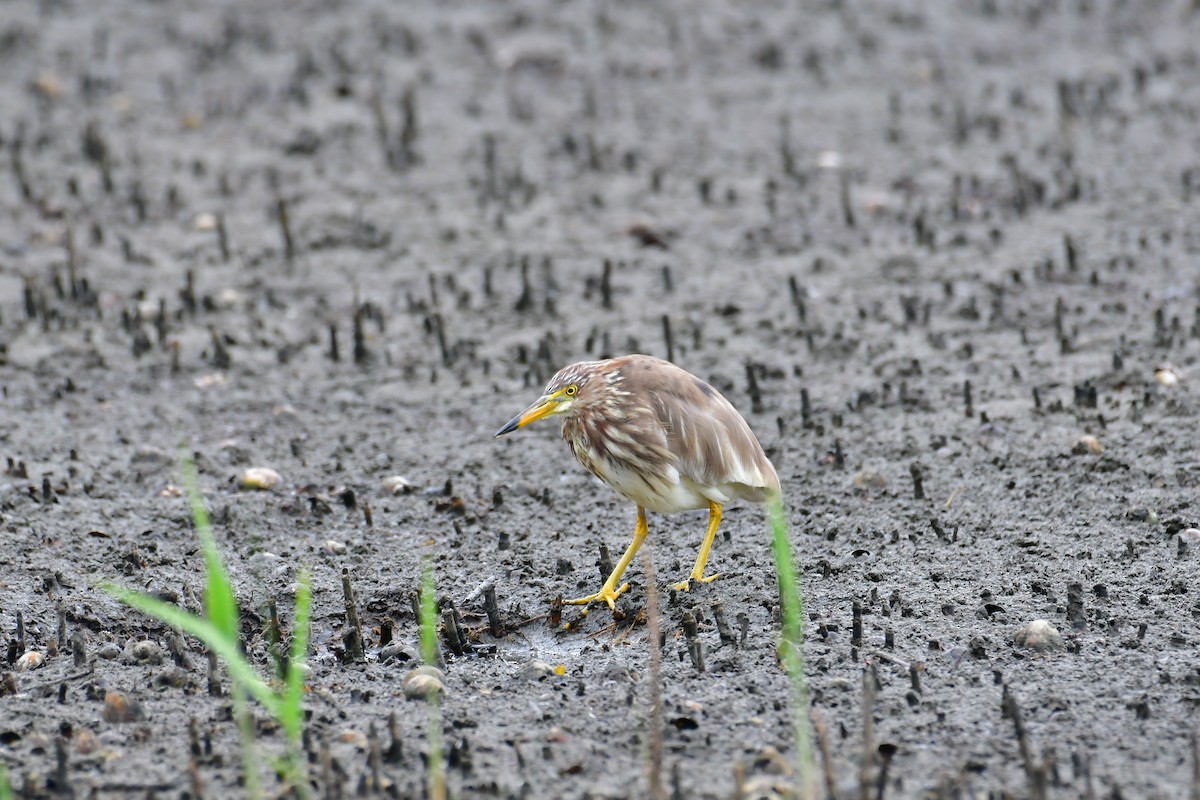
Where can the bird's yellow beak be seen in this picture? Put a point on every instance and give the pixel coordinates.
(544, 407)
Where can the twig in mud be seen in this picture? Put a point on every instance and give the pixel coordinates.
(752, 388)
(886, 751)
(285, 229)
(694, 645)
(47, 685)
(222, 238)
(1037, 781)
(868, 744)
(194, 780)
(79, 651)
(918, 481)
(450, 632)
(818, 721)
(950, 499)
(723, 630)
(214, 676)
(739, 781)
(62, 784)
(492, 608)
(361, 354)
(654, 759)
(1195, 766)
(395, 750)
(479, 591)
(334, 352)
(847, 204)
(605, 563)
(891, 659)
(352, 638)
(381, 129)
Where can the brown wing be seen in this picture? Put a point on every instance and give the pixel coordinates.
(711, 441)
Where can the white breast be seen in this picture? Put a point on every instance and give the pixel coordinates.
(664, 494)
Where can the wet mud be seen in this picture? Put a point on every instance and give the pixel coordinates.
(943, 257)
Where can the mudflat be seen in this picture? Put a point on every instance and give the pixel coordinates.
(943, 257)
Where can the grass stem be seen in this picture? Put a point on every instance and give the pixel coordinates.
(219, 629)
(792, 647)
(436, 780)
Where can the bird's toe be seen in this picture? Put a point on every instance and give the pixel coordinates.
(686, 585)
(607, 594)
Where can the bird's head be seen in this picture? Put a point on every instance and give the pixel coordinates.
(566, 392)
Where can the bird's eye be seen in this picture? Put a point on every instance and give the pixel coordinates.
(570, 391)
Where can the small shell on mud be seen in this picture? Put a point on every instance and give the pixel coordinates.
(285, 410)
(109, 651)
(419, 687)
(31, 660)
(228, 297)
(259, 479)
(120, 707)
(1187, 539)
(869, 481)
(1167, 375)
(398, 651)
(174, 678)
(1087, 444)
(145, 653)
(397, 484)
(210, 380)
(537, 670)
(86, 742)
(766, 787)
(1039, 635)
(335, 548)
(356, 738)
(48, 85)
(205, 221)
(829, 159)
(425, 669)
(422, 682)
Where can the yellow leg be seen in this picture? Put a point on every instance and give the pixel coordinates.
(714, 520)
(609, 592)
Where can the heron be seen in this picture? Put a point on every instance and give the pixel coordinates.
(662, 438)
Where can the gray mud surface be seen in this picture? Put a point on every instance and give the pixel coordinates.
(966, 232)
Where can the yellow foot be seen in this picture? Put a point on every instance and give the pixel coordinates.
(684, 586)
(607, 594)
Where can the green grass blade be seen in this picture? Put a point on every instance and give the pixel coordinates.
(207, 632)
(293, 698)
(428, 620)
(435, 788)
(220, 605)
(792, 647)
(245, 723)
(5, 786)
